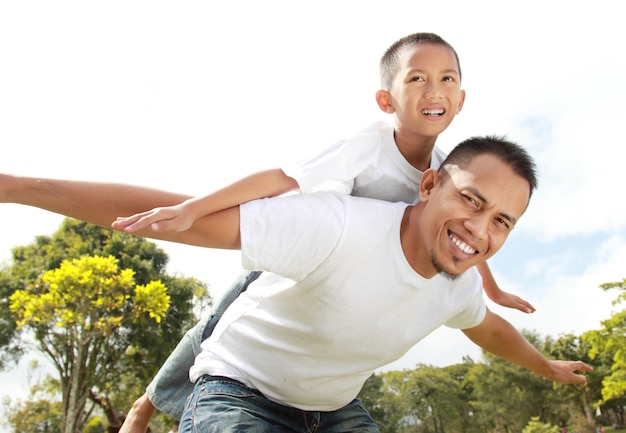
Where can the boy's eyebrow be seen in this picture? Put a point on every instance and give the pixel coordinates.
(445, 71)
(483, 199)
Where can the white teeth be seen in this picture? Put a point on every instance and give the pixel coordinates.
(462, 245)
(433, 112)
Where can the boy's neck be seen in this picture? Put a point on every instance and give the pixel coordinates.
(416, 149)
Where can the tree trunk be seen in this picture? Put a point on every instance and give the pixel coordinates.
(115, 422)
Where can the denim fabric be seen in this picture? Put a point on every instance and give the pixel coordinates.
(223, 405)
(171, 387)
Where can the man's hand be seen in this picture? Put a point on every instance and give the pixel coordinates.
(566, 372)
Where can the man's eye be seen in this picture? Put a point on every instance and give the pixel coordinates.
(471, 201)
(448, 78)
(416, 79)
(503, 222)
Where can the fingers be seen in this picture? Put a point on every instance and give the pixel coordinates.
(121, 223)
(138, 221)
(526, 307)
(158, 220)
(571, 372)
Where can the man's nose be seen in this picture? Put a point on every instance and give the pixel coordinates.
(478, 225)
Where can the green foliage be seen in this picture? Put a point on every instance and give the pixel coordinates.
(79, 313)
(95, 425)
(429, 398)
(141, 344)
(510, 395)
(38, 416)
(611, 339)
(382, 405)
(41, 412)
(536, 426)
(571, 347)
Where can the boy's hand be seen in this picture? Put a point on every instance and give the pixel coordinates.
(160, 219)
(510, 300)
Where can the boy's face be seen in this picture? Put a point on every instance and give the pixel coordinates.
(468, 215)
(426, 92)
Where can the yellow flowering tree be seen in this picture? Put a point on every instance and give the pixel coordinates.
(80, 314)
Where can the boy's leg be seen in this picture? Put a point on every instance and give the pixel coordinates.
(171, 386)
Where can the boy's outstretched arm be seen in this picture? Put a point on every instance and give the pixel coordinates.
(100, 203)
(181, 216)
(498, 295)
(496, 335)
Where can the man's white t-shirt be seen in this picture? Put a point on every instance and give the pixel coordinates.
(351, 303)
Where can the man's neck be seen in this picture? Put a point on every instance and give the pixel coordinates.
(412, 246)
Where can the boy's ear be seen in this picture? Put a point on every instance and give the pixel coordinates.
(430, 179)
(383, 99)
(461, 102)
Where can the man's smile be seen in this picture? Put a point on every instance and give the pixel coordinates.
(461, 245)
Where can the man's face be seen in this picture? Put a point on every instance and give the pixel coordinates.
(471, 212)
(426, 93)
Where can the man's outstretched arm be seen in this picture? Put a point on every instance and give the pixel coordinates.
(496, 335)
(101, 203)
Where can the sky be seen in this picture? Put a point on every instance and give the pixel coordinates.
(190, 96)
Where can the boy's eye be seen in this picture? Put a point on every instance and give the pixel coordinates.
(416, 78)
(448, 78)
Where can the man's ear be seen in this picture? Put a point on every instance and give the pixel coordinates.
(430, 179)
(383, 99)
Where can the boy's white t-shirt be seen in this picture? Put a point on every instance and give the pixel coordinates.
(352, 304)
(368, 164)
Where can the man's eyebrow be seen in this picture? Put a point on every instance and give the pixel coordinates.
(482, 198)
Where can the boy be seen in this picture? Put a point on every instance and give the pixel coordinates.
(421, 88)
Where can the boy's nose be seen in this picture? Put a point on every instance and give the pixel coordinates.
(433, 90)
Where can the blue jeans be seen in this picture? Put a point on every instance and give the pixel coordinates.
(223, 405)
(171, 386)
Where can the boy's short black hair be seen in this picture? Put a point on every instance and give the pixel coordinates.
(389, 60)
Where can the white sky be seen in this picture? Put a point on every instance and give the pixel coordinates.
(190, 96)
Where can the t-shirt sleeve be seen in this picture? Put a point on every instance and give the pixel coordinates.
(336, 167)
(291, 235)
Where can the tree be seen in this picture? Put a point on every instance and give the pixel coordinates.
(536, 426)
(509, 395)
(41, 412)
(427, 399)
(149, 342)
(580, 402)
(382, 404)
(79, 314)
(611, 338)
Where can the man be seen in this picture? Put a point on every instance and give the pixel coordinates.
(369, 279)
